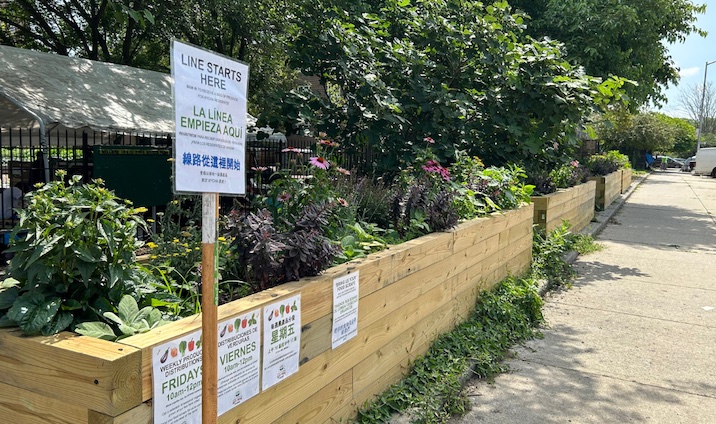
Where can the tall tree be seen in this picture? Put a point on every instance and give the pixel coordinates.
(105, 30)
(137, 33)
(635, 134)
(690, 98)
(458, 71)
(618, 37)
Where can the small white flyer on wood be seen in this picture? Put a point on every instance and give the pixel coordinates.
(239, 359)
(176, 381)
(282, 340)
(345, 309)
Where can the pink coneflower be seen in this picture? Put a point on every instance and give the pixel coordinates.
(429, 140)
(259, 168)
(284, 197)
(343, 202)
(343, 171)
(319, 162)
(291, 149)
(328, 143)
(574, 163)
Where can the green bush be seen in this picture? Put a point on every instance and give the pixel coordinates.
(607, 163)
(73, 258)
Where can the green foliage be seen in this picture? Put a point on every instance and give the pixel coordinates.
(128, 321)
(73, 257)
(548, 250)
(459, 72)
(506, 315)
(607, 163)
(618, 37)
(360, 242)
(646, 132)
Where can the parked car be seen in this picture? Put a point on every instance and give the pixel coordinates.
(689, 163)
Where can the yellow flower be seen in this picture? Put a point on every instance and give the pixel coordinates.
(141, 209)
(188, 250)
(150, 220)
(151, 245)
(175, 241)
(221, 238)
(197, 248)
(153, 257)
(185, 244)
(176, 254)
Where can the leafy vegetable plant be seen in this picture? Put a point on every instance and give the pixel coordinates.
(73, 258)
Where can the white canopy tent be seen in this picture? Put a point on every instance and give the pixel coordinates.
(47, 89)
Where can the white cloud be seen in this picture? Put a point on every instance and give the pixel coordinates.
(689, 72)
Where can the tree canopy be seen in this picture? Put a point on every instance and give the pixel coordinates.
(137, 33)
(618, 37)
(635, 134)
(460, 72)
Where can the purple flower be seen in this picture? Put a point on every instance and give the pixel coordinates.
(291, 149)
(343, 202)
(343, 171)
(429, 140)
(259, 168)
(319, 162)
(284, 197)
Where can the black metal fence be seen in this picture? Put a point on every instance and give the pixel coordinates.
(26, 159)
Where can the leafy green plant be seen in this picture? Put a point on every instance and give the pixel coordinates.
(506, 315)
(548, 250)
(128, 321)
(361, 242)
(73, 257)
(607, 163)
(569, 174)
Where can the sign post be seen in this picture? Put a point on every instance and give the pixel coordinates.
(210, 93)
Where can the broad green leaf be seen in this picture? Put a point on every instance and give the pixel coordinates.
(60, 322)
(127, 309)
(8, 297)
(96, 329)
(32, 312)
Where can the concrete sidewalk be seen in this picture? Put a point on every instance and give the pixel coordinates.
(634, 340)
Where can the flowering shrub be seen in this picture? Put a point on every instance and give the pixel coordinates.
(569, 175)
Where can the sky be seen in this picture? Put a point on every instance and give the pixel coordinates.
(691, 56)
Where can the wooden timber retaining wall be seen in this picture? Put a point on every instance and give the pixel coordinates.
(626, 179)
(574, 204)
(409, 294)
(609, 187)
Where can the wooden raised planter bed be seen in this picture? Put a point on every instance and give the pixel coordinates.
(609, 187)
(409, 294)
(626, 179)
(574, 204)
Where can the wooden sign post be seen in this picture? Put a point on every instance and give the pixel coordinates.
(209, 308)
(210, 92)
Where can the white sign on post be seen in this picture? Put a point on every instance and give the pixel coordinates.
(210, 106)
(176, 375)
(239, 359)
(282, 340)
(345, 309)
